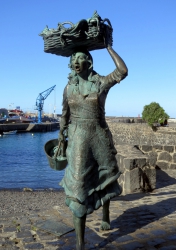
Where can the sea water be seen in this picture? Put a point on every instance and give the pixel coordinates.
(23, 162)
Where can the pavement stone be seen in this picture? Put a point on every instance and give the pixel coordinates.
(138, 221)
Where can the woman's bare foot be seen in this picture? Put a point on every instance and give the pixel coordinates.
(105, 224)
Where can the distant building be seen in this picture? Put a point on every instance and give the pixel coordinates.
(3, 113)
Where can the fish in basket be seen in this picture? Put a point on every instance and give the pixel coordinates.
(88, 33)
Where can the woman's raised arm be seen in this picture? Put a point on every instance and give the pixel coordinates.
(120, 65)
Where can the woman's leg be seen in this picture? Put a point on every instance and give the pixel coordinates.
(79, 224)
(105, 224)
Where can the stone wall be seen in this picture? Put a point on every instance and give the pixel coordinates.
(162, 157)
(141, 134)
(159, 146)
(141, 151)
(137, 175)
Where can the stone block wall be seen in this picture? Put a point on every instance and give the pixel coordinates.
(160, 156)
(137, 175)
(141, 151)
(141, 134)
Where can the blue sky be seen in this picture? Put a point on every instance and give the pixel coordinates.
(144, 34)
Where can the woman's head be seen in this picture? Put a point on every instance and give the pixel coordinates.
(81, 60)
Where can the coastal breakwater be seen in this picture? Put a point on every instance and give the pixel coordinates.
(29, 127)
(141, 134)
(141, 152)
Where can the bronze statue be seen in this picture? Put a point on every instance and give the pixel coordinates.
(90, 179)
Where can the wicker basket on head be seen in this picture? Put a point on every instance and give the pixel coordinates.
(90, 34)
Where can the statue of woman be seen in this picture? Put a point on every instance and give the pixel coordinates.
(90, 179)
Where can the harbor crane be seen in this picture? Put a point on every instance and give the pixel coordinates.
(40, 101)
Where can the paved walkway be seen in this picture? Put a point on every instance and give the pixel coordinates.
(138, 221)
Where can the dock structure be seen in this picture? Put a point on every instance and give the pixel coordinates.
(29, 127)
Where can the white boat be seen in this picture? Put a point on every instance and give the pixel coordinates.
(18, 119)
(10, 132)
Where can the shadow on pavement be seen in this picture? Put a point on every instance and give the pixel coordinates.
(139, 217)
(163, 179)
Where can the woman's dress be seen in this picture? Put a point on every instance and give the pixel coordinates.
(91, 175)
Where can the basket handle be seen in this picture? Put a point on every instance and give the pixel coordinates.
(58, 150)
(107, 20)
(64, 30)
(61, 25)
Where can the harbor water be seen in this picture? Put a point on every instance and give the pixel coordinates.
(23, 162)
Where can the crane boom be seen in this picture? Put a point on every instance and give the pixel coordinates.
(40, 101)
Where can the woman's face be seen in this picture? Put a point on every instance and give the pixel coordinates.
(79, 62)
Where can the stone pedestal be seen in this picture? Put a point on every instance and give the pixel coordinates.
(137, 174)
